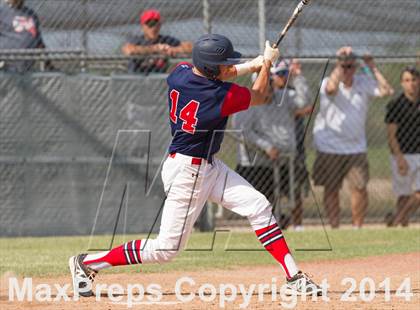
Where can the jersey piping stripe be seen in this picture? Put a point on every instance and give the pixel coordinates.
(270, 236)
(272, 240)
(131, 252)
(127, 255)
(269, 232)
(133, 247)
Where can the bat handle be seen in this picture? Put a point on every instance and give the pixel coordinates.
(275, 45)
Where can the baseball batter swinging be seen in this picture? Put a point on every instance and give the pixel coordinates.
(200, 102)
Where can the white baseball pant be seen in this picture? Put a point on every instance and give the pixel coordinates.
(188, 187)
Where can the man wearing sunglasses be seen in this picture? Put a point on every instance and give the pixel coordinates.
(339, 133)
(152, 43)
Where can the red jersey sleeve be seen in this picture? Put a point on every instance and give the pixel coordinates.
(237, 99)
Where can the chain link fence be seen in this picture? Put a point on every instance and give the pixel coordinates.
(99, 27)
(89, 34)
(70, 141)
(276, 178)
(69, 144)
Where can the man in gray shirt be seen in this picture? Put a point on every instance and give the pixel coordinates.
(270, 130)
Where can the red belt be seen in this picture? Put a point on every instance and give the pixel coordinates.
(194, 160)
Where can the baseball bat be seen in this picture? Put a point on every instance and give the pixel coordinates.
(291, 20)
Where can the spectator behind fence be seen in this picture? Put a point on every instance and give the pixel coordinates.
(271, 128)
(302, 175)
(339, 133)
(152, 43)
(403, 126)
(19, 29)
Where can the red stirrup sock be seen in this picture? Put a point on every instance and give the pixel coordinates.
(272, 239)
(126, 254)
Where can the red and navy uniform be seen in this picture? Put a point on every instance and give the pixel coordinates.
(199, 110)
(19, 29)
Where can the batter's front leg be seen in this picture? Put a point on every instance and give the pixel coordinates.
(236, 194)
(185, 199)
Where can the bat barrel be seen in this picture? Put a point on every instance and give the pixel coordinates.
(291, 21)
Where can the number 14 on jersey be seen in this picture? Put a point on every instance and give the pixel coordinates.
(188, 114)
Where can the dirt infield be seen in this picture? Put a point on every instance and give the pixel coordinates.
(395, 267)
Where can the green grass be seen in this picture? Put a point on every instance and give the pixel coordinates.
(48, 256)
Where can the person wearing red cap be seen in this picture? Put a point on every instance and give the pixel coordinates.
(151, 42)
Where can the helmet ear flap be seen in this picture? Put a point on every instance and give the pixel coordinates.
(212, 71)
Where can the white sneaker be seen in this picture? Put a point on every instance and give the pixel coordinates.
(301, 284)
(82, 276)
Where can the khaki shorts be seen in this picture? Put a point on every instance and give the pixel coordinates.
(331, 169)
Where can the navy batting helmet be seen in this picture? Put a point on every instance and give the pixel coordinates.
(212, 50)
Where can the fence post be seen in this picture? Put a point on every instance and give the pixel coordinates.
(292, 202)
(261, 24)
(84, 36)
(298, 40)
(206, 16)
